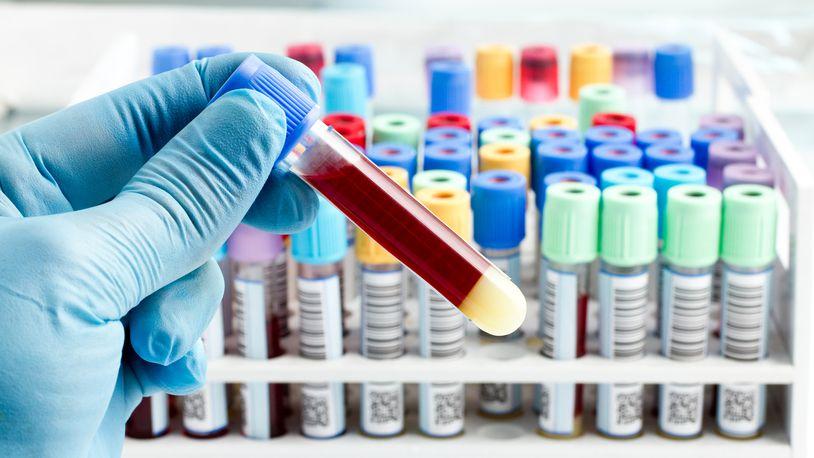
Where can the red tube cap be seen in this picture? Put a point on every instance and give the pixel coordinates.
(615, 119)
(539, 79)
(350, 126)
(309, 54)
(448, 119)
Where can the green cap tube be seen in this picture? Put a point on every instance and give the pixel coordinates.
(505, 135)
(397, 128)
(599, 98)
(629, 229)
(749, 225)
(570, 222)
(438, 179)
(693, 225)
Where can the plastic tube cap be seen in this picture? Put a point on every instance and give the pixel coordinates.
(552, 120)
(309, 54)
(749, 225)
(441, 53)
(599, 98)
(499, 209)
(167, 58)
(494, 65)
(701, 140)
(570, 222)
(539, 75)
(451, 206)
(590, 63)
(438, 179)
(395, 155)
(723, 121)
(397, 128)
(664, 154)
(747, 174)
(359, 54)
(667, 176)
(325, 241)
(350, 126)
(693, 225)
(448, 135)
(450, 88)
(558, 156)
(449, 156)
(650, 137)
(727, 152)
(367, 250)
(633, 70)
(629, 230)
(632, 176)
(300, 111)
(560, 177)
(673, 71)
(607, 135)
(506, 156)
(615, 119)
(614, 155)
(251, 245)
(553, 134)
(492, 122)
(212, 51)
(343, 86)
(447, 119)
(505, 135)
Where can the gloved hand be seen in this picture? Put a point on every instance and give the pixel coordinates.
(110, 211)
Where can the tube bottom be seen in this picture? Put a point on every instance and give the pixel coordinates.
(495, 304)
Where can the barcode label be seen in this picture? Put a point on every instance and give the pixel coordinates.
(250, 318)
(623, 315)
(442, 326)
(320, 317)
(213, 336)
(741, 409)
(382, 328)
(205, 410)
(500, 398)
(382, 408)
(558, 315)
(619, 409)
(558, 408)
(278, 284)
(254, 401)
(685, 315)
(441, 408)
(681, 409)
(323, 409)
(745, 314)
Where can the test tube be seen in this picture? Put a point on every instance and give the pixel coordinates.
(691, 244)
(150, 418)
(395, 128)
(747, 174)
(615, 119)
(382, 328)
(450, 88)
(568, 251)
(441, 53)
(633, 70)
(453, 156)
(308, 54)
(319, 251)
(613, 155)
(447, 119)
(350, 126)
(494, 79)
(505, 135)
(441, 330)
(626, 176)
(384, 210)
(552, 120)
(673, 71)
(607, 135)
(658, 136)
(667, 176)
(167, 58)
(702, 139)
(629, 243)
(258, 290)
(344, 90)
(505, 156)
(724, 121)
(599, 98)
(539, 74)
(492, 122)
(552, 134)
(590, 64)
(499, 214)
(359, 54)
(723, 153)
(749, 226)
(448, 135)
(394, 155)
(664, 154)
(439, 179)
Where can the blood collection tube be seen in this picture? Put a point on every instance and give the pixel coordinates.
(259, 288)
(212, 51)
(614, 155)
(747, 174)
(439, 179)
(568, 250)
(505, 135)
(590, 64)
(359, 54)
(494, 79)
(394, 155)
(604, 135)
(350, 126)
(441, 330)
(319, 251)
(397, 128)
(629, 243)
(456, 157)
(633, 70)
(493, 122)
(447, 119)
(499, 214)
(615, 119)
(448, 135)
(450, 88)
(382, 328)
(559, 176)
(691, 244)
(552, 134)
(505, 156)
(309, 54)
(539, 74)
(702, 139)
(384, 210)
(344, 90)
(150, 419)
(167, 58)
(552, 120)
(627, 176)
(441, 53)
(599, 98)
(723, 121)
(723, 153)
(748, 232)
(664, 154)
(673, 85)
(667, 176)
(658, 136)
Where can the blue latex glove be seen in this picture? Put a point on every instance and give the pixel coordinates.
(109, 213)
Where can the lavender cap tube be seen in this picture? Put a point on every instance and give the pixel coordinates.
(727, 152)
(747, 174)
(633, 69)
(251, 245)
(441, 53)
(726, 121)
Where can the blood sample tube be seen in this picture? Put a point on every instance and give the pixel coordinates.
(442, 330)
(603, 135)
(492, 122)
(350, 126)
(259, 287)
(552, 120)
(635, 176)
(150, 419)
(212, 51)
(539, 75)
(673, 85)
(344, 90)
(702, 139)
(382, 328)
(359, 54)
(552, 134)
(494, 79)
(749, 225)
(499, 214)
(167, 58)
(590, 64)
(614, 155)
(441, 53)
(397, 128)
(665, 154)
(439, 179)
(505, 156)
(568, 250)
(629, 242)
(456, 157)
(723, 121)
(659, 136)
(448, 135)
(450, 88)
(309, 54)
(394, 155)
(691, 244)
(667, 176)
(615, 119)
(384, 210)
(747, 174)
(599, 98)
(319, 251)
(447, 119)
(505, 135)
(633, 70)
(723, 153)
(556, 176)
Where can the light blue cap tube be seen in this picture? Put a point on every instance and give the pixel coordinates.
(212, 51)
(167, 58)
(325, 241)
(627, 176)
(664, 154)
(667, 176)
(499, 209)
(361, 55)
(614, 155)
(702, 138)
(344, 88)
(396, 155)
(450, 88)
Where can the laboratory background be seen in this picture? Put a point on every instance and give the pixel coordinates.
(638, 173)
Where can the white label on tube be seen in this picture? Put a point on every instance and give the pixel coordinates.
(685, 310)
(205, 410)
(320, 317)
(256, 416)
(382, 407)
(213, 337)
(619, 409)
(745, 314)
(559, 315)
(442, 327)
(250, 318)
(323, 409)
(159, 413)
(558, 407)
(441, 408)
(622, 315)
(382, 327)
(741, 409)
(681, 409)
(500, 398)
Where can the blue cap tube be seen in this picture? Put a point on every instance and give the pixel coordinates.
(499, 209)
(361, 55)
(450, 88)
(667, 176)
(701, 140)
(561, 177)
(559, 156)
(499, 121)
(605, 135)
(553, 134)
(212, 51)
(449, 156)
(396, 155)
(614, 155)
(664, 154)
(447, 135)
(650, 137)
(167, 58)
(344, 89)
(627, 176)
(673, 71)
(325, 241)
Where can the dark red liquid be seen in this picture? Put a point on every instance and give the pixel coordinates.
(582, 320)
(140, 423)
(404, 227)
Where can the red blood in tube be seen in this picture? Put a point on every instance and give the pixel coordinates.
(140, 423)
(448, 119)
(615, 119)
(539, 74)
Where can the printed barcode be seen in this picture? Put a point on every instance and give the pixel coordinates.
(447, 327)
(312, 324)
(629, 319)
(549, 316)
(744, 316)
(690, 300)
(382, 315)
(239, 317)
(278, 286)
